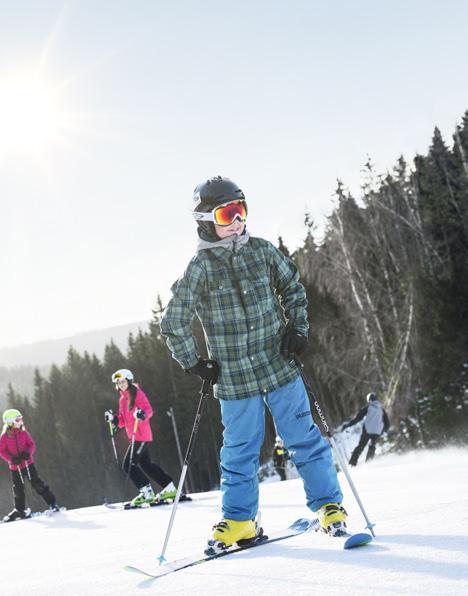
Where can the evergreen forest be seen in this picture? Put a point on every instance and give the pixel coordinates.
(388, 309)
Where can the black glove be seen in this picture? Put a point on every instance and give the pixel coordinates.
(208, 370)
(140, 414)
(16, 459)
(293, 343)
(109, 416)
(24, 455)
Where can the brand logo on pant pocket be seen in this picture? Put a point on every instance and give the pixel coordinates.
(303, 414)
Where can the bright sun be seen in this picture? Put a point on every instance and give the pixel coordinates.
(30, 115)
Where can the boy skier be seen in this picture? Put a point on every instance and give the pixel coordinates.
(252, 306)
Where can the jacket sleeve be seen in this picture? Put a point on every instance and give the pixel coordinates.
(142, 402)
(121, 423)
(359, 416)
(179, 314)
(31, 445)
(4, 453)
(292, 294)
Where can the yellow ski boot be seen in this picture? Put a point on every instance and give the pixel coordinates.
(229, 531)
(332, 518)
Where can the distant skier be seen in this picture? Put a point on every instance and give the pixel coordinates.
(375, 424)
(135, 411)
(253, 309)
(17, 448)
(280, 457)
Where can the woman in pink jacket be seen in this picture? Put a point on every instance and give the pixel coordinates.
(134, 415)
(17, 448)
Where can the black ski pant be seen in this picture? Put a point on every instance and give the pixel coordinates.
(142, 467)
(29, 474)
(281, 471)
(365, 438)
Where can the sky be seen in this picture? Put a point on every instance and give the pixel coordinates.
(420, 547)
(112, 112)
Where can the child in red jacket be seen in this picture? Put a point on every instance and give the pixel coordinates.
(17, 448)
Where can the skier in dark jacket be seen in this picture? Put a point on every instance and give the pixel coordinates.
(280, 457)
(375, 424)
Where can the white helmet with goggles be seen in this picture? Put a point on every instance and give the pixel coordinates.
(122, 373)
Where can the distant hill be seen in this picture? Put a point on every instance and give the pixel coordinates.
(54, 351)
(17, 364)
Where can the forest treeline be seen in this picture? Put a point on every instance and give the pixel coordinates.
(388, 307)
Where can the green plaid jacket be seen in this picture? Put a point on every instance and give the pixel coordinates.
(244, 298)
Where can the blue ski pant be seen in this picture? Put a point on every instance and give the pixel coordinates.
(244, 430)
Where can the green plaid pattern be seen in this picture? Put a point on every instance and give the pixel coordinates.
(243, 298)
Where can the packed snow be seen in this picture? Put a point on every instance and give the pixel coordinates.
(418, 501)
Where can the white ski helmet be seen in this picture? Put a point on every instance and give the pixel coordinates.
(371, 397)
(122, 373)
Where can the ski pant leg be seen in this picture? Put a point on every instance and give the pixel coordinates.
(152, 469)
(40, 486)
(137, 476)
(244, 429)
(310, 452)
(280, 470)
(372, 446)
(19, 495)
(359, 447)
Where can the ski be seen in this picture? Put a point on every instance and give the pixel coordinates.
(48, 512)
(128, 505)
(34, 514)
(300, 526)
(351, 540)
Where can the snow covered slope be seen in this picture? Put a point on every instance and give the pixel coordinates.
(419, 502)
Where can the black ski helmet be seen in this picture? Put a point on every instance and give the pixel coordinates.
(210, 194)
(371, 397)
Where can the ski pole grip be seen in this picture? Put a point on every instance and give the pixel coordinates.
(135, 426)
(297, 361)
(205, 387)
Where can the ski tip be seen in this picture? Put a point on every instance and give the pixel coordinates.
(132, 569)
(302, 524)
(355, 540)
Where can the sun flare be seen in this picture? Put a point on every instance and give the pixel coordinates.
(31, 117)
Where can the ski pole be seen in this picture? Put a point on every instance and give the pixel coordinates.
(20, 475)
(338, 455)
(203, 395)
(130, 460)
(28, 472)
(113, 442)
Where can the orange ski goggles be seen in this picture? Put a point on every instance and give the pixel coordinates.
(225, 214)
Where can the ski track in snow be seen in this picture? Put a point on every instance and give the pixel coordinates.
(419, 502)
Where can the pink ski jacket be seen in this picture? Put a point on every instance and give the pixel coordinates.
(127, 420)
(12, 442)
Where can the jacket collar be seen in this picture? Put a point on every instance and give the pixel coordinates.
(232, 243)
